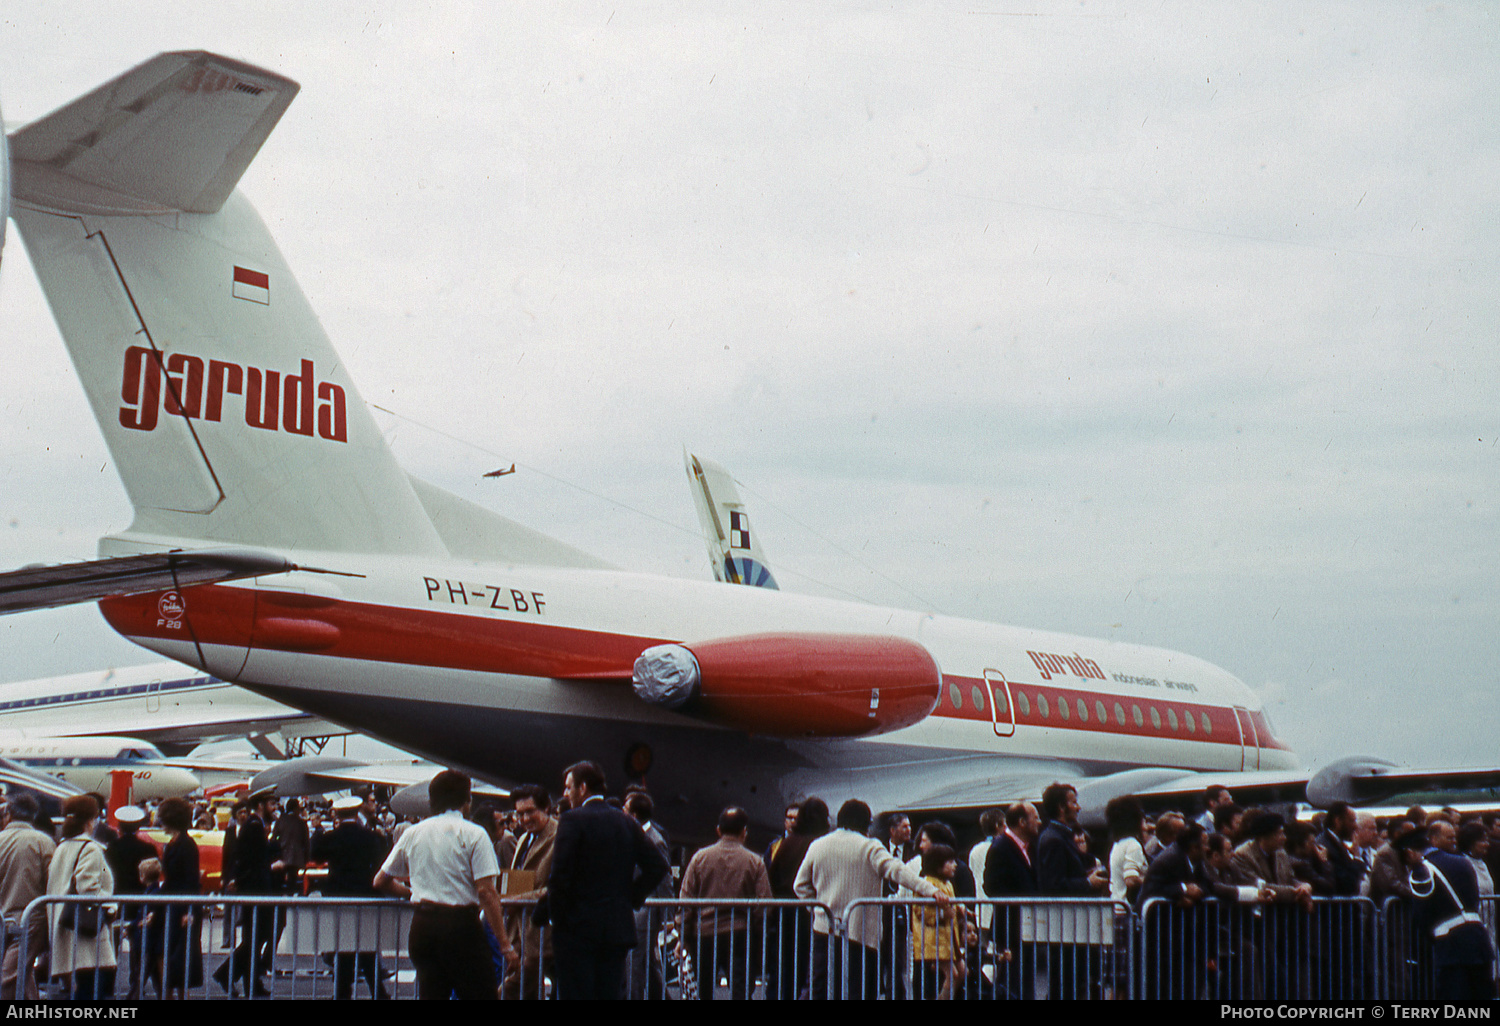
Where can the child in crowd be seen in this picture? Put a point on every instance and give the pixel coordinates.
(151, 937)
(938, 934)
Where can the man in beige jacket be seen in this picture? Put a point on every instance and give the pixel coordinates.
(839, 869)
(25, 855)
(533, 856)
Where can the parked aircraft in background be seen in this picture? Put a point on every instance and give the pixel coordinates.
(276, 544)
(87, 762)
(172, 706)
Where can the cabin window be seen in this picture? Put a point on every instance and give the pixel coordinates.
(1135, 714)
(1155, 719)
(1208, 727)
(1041, 705)
(1002, 707)
(1172, 718)
(1083, 711)
(1062, 709)
(978, 697)
(1119, 714)
(1101, 713)
(1187, 718)
(955, 696)
(1023, 703)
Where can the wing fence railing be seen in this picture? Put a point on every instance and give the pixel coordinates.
(1339, 949)
(1074, 948)
(1327, 949)
(1406, 953)
(738, 949)
(293, 947)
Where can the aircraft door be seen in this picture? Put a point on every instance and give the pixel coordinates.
(1002, 711)
(153, 696)
(1249, 740)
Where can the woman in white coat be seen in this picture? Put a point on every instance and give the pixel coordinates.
(78, 867)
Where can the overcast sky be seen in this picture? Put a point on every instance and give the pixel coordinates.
(1173, 324)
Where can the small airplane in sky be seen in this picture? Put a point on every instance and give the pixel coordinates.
(276, 544)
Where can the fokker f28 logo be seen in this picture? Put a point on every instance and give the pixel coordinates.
(297, 403)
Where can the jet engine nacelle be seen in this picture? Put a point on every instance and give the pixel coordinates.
(794, 685)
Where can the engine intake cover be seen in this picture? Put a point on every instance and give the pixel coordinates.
(794, 685)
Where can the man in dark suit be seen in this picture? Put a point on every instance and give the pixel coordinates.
(1009, 873)
(1341, 927)
(1338, 831)
(592, 889)
(895, 833)
(354, 854)
(250, 874)
(1061, 872)
(1179, 959)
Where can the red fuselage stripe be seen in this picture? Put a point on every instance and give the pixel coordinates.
(218, 615)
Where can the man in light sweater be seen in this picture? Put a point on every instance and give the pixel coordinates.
(839, 869)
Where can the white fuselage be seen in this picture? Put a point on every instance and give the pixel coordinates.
(417, 651)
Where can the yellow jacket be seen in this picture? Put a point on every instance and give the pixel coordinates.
(934, 931)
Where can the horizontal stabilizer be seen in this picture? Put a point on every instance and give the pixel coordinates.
(174, 133)
(47, 586)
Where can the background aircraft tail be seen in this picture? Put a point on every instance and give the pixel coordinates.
(732, 549)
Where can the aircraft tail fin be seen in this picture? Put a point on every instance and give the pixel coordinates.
(732, 549)
(229, 415)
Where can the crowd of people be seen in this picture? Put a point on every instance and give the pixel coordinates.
(575, 872)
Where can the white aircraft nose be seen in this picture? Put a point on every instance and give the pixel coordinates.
(163, 782)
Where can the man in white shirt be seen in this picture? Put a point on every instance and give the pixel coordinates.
(992, 822)
(839, 869)
(446, 865)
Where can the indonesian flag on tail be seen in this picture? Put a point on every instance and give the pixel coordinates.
(252, 285)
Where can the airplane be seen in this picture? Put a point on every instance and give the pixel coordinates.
(171, 706)
(277, 544)
(51, 724)
(87, 762)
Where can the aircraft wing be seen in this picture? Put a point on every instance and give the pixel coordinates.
(170, 734)
(321, 774)
(41, 587)
(1366, 780)
(947, 784)
(970, 785)
(166, 704)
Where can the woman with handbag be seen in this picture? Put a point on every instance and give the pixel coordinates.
(81, 944)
